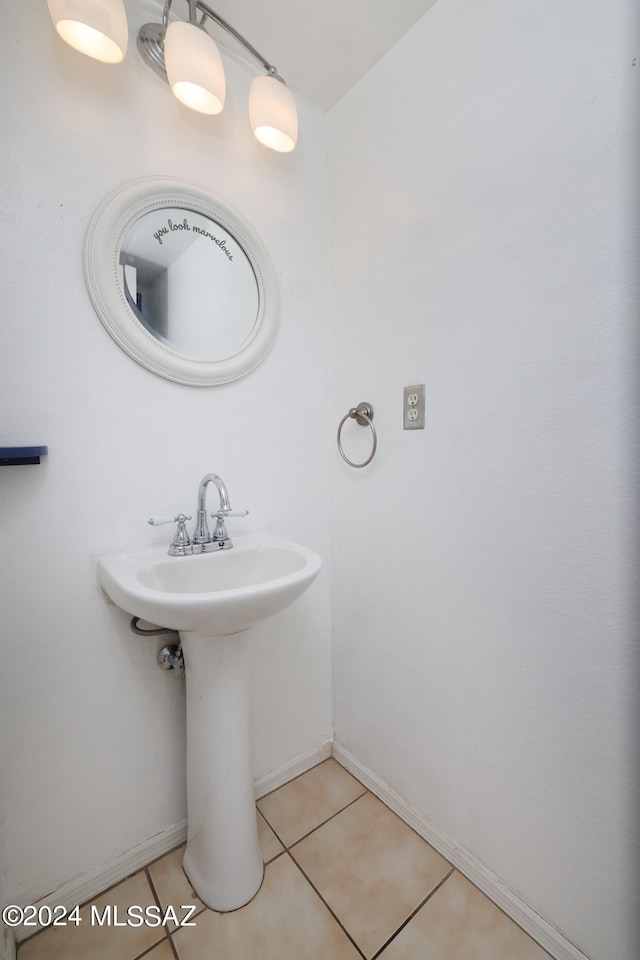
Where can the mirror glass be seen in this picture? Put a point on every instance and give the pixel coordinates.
(189, 282)
(181, 282)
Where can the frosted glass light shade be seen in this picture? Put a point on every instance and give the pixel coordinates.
(97, 28)
(194, 67)
(273, 115)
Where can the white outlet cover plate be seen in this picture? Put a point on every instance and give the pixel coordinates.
(413, 407)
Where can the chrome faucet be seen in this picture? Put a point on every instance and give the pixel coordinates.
(203, 541)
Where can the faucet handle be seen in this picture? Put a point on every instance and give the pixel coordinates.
(180, 546)
(220, 535)
(158, 521)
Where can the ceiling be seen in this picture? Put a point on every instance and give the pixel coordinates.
(320, 47)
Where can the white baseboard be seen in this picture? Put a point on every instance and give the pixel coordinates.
(7, 944)
(292, 769)
(90, 885)
(539, 929)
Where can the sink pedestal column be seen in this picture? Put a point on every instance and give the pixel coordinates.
(223, 859)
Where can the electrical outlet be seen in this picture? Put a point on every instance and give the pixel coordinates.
(413, 408)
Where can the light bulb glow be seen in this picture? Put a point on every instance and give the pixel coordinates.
(197, 98)
(273, 115)
(275, 139)
(91, 42)
(194, 67)
(97, 28)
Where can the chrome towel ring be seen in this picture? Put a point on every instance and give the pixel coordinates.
(363, 415)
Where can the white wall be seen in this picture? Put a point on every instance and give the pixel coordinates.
(92, 759)
(483, 636)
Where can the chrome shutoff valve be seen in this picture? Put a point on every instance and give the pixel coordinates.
(170, 658)
(180, 546)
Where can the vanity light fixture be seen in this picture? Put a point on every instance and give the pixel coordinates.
(184, 54)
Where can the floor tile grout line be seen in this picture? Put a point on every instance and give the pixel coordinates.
(146, 953)
(317, 827)
(324, 902)
(259, 813)
(412, 914)
(155, 893)
(174, 949)
(156, 897)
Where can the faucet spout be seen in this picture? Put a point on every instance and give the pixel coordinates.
(220, 487)
(202, 539)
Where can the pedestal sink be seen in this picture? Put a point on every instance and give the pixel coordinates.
(214, 600)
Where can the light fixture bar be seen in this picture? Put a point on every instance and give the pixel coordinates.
(151, 39)
(208, 12)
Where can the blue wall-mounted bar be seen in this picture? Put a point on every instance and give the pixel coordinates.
(13, 456)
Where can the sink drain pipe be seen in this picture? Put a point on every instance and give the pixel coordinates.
(170, 657)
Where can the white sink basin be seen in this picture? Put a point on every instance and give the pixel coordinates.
(212, 594)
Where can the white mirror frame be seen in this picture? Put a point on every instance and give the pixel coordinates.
(118, 212)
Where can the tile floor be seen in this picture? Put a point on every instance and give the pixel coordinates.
(345, 878)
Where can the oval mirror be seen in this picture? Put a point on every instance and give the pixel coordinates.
(181, 282)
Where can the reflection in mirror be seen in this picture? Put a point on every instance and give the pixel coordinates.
(189, 282)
